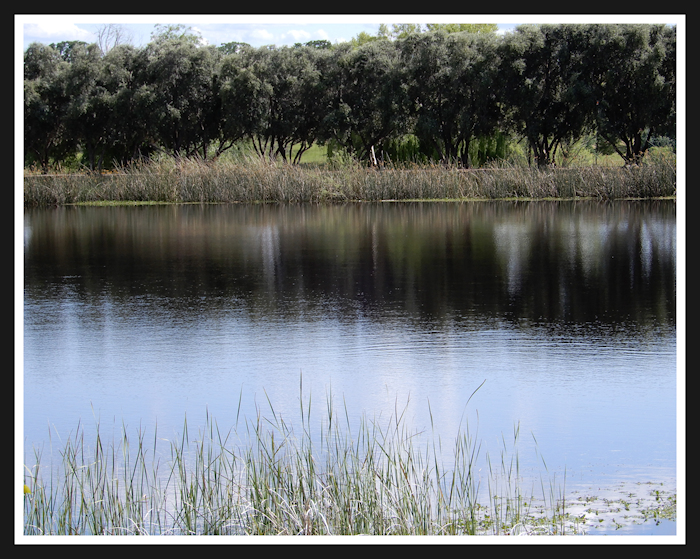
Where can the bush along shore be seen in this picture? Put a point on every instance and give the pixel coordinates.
(172, 180)
(320, 478)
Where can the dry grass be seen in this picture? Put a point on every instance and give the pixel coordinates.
(197, 181)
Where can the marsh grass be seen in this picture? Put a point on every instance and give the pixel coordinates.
(266, 477)
(170, 180)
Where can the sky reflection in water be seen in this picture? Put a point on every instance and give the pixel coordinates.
(565, 310)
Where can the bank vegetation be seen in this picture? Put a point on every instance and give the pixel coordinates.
(180, 180)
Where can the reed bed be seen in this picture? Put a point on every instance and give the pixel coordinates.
(172, 180)
(269, 478)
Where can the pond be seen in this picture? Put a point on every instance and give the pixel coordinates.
(562, 314)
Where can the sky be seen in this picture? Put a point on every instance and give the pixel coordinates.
(271, 29)
(256, 30)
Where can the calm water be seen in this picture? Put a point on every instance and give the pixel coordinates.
(567, 311)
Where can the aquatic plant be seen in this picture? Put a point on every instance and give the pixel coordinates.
(271, 478)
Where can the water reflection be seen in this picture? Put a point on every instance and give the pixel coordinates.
(551, 262)
(566, 309)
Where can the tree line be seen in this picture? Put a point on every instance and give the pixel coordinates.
(423, 95)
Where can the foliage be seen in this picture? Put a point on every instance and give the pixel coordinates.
(233, 47)
(175, 32)
(317, 44)
(449, 78)
(89, 109)
(635, 83)
(365, 97)
(45, 105)
(67, 49)
(463, 27)
(177, 81)
(544, 77)
(442, 85)
(403, 30)
(273, 97)
(364, 37)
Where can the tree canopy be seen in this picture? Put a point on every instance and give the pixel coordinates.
(634, 85)
(444, 85)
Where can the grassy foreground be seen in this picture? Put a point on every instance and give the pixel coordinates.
(268, 479)
(195, 181)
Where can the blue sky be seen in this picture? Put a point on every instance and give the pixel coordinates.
(267, 29)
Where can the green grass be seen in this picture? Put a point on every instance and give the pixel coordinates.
(265, 477)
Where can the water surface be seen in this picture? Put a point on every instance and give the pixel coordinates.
(565, 311)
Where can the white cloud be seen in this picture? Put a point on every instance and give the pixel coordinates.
(58, 31)
(261, 34)
(321, 35)
(298, 35)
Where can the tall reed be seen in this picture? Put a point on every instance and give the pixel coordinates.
(197, 181)
(271, 478)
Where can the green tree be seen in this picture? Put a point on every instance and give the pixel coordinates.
(176, 32)
(403, 30)
(365, 97)
(363, 37)
(243, 96)
(233, 47)
(67, 49)
(463, 27)
(88, 113)
(451, 83)
(126, 139)
(293, 115)
(635, 85)
(317, 44)
(45, 102)
(273, 97)
(545, 86)
(178, 94)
